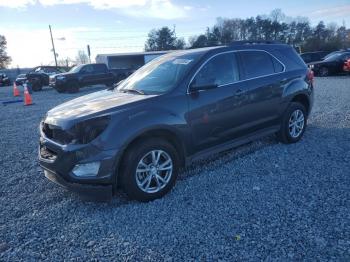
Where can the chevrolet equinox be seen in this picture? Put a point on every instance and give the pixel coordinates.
(178, 108)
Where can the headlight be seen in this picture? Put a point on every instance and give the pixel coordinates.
(60, 78)
(311, 66)
(88, 130)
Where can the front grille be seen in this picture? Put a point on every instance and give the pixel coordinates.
(52, 80)
(57, 134)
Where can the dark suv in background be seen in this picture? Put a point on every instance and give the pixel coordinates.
(179, 108)
(4, 80)
(82, 75)
(39, 76)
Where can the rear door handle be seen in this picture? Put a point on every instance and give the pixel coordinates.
(239, 91)
(283, 81)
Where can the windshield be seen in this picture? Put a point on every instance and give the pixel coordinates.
(161, 74)
(76, 69)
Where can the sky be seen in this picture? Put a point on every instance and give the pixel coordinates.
(115, 26)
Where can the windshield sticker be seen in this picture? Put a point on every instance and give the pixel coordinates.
(181, 61)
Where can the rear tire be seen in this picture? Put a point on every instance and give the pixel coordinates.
(293, 124)
(149, 170)
(324, 72)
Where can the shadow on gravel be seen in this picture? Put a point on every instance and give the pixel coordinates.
(224, 157)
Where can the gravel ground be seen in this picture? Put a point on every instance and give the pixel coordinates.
(262, 201)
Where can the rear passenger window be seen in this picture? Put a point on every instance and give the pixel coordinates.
(220, 70)
(87, 69)
(258, 63)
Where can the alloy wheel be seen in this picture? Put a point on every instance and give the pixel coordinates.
(296, 123)
(154, 171)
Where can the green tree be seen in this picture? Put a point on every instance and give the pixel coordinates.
(297, 32)
(163, 39)
(198, 41)
(5, 60)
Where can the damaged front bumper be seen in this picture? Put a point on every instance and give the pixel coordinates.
(61, 162)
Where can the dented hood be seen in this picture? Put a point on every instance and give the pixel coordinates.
(91, 105)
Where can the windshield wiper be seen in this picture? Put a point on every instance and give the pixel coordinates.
(132, 91)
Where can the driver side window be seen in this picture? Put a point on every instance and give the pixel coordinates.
(220, 70)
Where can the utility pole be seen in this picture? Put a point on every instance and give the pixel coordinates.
(174, 30)
(89, 53)
(53, 46)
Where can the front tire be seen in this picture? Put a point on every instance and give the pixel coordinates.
(73, 87)
(150, 169)
(37, 85)
(293, 124)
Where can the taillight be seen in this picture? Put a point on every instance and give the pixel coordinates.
(310, 76)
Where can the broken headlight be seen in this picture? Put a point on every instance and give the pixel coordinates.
(90, 129)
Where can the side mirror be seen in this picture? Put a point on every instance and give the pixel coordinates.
(195, 88)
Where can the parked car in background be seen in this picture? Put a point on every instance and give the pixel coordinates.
(337, 52)
(180, 107)
(21, 79)
(82, 75)
(40, 76)
(313, 56)
(4, 80)
(331, 65)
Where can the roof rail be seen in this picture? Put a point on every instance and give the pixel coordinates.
(254, 42)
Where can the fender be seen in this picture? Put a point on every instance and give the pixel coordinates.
(145, 119)
(294, 87)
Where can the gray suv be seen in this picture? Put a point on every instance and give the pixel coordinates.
(180, 107)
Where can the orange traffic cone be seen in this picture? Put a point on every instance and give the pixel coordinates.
(27, 98)
(15, 90)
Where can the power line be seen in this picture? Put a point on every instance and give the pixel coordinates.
(53, 46)
(104, 47)
(124, 37)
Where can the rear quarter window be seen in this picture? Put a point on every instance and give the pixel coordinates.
(289, 58)
(259, 63)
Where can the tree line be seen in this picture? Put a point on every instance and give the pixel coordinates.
(276, 26)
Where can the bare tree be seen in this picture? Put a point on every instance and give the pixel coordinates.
(81, 58)
(5, 60)
(67, 62)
